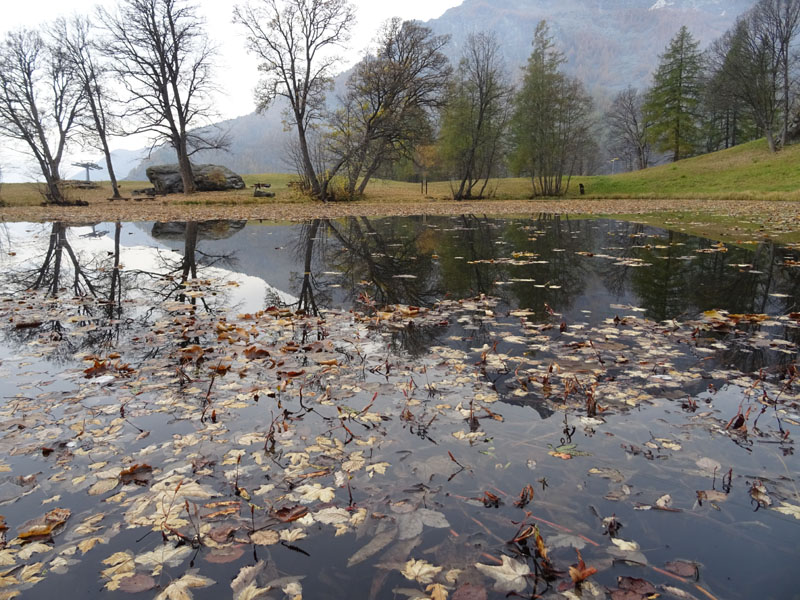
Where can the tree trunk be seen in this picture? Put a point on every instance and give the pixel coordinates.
(185, 166)
(308, 166)
(770, 140)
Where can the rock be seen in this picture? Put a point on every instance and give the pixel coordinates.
(263, 194)
(166, 179)
(206, 230)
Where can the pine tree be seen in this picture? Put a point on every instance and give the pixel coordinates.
(672, 104)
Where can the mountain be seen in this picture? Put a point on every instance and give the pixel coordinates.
(258, 145)
(609, 44)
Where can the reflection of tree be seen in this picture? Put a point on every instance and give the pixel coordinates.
(386, 257)
(173, 278)
(87, 278)
(307, 301)
(471, 240)
(555, 240)
(664, 288)
(48, 276)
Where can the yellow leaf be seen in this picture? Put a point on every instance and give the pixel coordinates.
(29, 572)
(265, 537)
(103, 486)
(90, 543)
(179, 588)
(437, 591)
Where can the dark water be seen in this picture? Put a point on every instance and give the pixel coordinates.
(671, 381)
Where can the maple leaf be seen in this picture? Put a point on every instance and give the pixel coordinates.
(292, 535)
(315, 491)
(420, 570)
(437, 591)
(265, 537)
(179, 588)
(162, 556)
(511, 576)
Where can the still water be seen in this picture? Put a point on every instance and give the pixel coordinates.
(363, 408)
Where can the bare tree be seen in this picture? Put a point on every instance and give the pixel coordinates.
(476, 117)
(386, 111)
(780, 19)
(293, 39)
(628, 127)
(552, 122)
(74, 38)
(40, 100)
(162, 55)
(754, 57)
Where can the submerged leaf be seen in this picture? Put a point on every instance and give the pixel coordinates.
(511, 576)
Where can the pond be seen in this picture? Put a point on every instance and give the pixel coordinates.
(454, 408)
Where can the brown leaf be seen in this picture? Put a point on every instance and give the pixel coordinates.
(580, 572)
(226, 555)
(635, 584)
(470, 591)
(683, 568)
(254, 352)
(140, 582)
(138, 474)
(287, 514)
(222, 534)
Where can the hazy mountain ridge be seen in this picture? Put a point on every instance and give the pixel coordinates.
(609, 44)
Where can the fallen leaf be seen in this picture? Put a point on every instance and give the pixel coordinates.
(626, 546)
(265, 537)
(511, 576)
(133, 584)
(788, 509)
(470, 591)
(580, 572)
(178, 589)
(682, 567)
(437, 591)
(420, 570)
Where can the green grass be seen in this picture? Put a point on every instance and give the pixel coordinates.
(745, 172)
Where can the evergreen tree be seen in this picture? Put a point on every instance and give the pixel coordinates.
(672, 104)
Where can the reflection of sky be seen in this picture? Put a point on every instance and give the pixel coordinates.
(138, 251)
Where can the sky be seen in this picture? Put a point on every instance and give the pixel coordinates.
(235, 71)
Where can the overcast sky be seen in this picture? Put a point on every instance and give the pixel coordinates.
(236, 70)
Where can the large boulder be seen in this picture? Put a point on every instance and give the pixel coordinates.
(166, 179)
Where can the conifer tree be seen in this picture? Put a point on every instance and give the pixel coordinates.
(672, 104)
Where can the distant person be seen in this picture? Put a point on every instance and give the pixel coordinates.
(583, 189)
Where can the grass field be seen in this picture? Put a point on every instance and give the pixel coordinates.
(741, 193)
(746, 172)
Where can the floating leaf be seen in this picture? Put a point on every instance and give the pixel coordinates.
(788, 509)
(511, 576)
(179, 589)
(420, 570)
(682, 567)
(624, 545)
(265, 537)
(437, 591)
